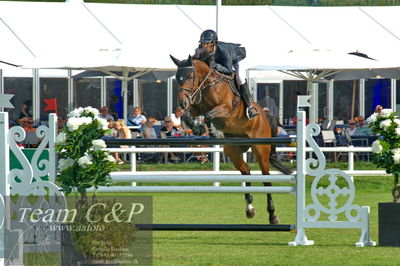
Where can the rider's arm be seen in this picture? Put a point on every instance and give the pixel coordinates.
(225, 62)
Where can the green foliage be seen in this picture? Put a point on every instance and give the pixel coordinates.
(386, 125)
(82, 163)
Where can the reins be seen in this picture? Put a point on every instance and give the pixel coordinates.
(199, 89)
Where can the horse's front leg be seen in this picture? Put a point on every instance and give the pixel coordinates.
(235, 154)
(217, 115)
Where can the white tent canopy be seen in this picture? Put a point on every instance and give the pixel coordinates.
(73, 33)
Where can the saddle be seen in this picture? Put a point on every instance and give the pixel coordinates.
(233, 82)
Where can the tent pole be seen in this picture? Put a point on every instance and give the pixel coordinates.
(125, 99)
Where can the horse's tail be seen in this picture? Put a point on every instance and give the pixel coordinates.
(275, 161)
(273, 156)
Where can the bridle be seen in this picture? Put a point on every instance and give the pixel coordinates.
(194, 96)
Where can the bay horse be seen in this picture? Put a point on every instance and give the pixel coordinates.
(204, 91)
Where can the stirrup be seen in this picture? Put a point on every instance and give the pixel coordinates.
(252, 114)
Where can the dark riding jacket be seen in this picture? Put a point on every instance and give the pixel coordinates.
(227, 57)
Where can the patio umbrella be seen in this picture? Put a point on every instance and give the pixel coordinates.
(316, 65)
(158, 75)
(124, 64)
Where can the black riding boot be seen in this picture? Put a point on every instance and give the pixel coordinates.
(251, 112)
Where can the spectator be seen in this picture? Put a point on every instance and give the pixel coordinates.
(352, 128)
(362, 129)
(28, 125)
(176, 118)
(148, 131)
(60, 124)
(169, 129)
(31, 140)
(121, 132)
(104, 113)
(26, 109)
(378, 109)
(201, 130)
(138, 119)
(269, 102)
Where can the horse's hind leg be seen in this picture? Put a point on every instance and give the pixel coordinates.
(262, 154)
(235, 154)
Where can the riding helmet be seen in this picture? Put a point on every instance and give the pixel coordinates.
(208, 36)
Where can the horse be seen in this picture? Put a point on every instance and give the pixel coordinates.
(204, 91)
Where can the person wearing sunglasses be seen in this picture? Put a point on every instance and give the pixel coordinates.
(169, 129)
(352, 128)
(362, 129)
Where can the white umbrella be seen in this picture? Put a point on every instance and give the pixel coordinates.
(119, 63)
(315, 65)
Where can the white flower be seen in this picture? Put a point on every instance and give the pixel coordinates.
(110, 159)
(385, 124)
(85, 160)
(103, 124)
(398, 131)
(92, 110)
(76, 112)
(386, 112)
(397, 121)
(61, 138)
(396, 155)
(73, 123)
(86, 120)
(376, 147)
(372, 118)
(64, 164)
(98, 144)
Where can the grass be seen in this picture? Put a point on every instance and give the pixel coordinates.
(332, 246)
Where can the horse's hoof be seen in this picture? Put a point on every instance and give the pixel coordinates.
(250, 212)
(274, 220)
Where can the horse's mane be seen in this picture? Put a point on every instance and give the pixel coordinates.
(202, 54)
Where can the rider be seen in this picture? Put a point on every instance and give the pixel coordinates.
(226, 57)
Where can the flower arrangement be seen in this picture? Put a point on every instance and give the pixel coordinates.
(386, 125)
(82, 162)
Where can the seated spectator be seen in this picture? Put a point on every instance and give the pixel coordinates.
(138, 119)
(169, 129)
(22, 122)
(352, 128)
(112, 131)
(148, 130)
(28, 125)
(26, 109)
(150, 133)
(362, 129)
(121, 132)
(31, 139)
(176, 118)
(60, 124)
(378, 109)
(201, 130)
(104, 114)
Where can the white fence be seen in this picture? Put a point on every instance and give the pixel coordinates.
(216, 150)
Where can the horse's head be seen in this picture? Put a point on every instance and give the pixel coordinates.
(185, 78)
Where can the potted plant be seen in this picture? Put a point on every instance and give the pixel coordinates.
(83, 164)
(386, 125)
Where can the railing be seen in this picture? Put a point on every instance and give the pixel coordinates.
(216, 150)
